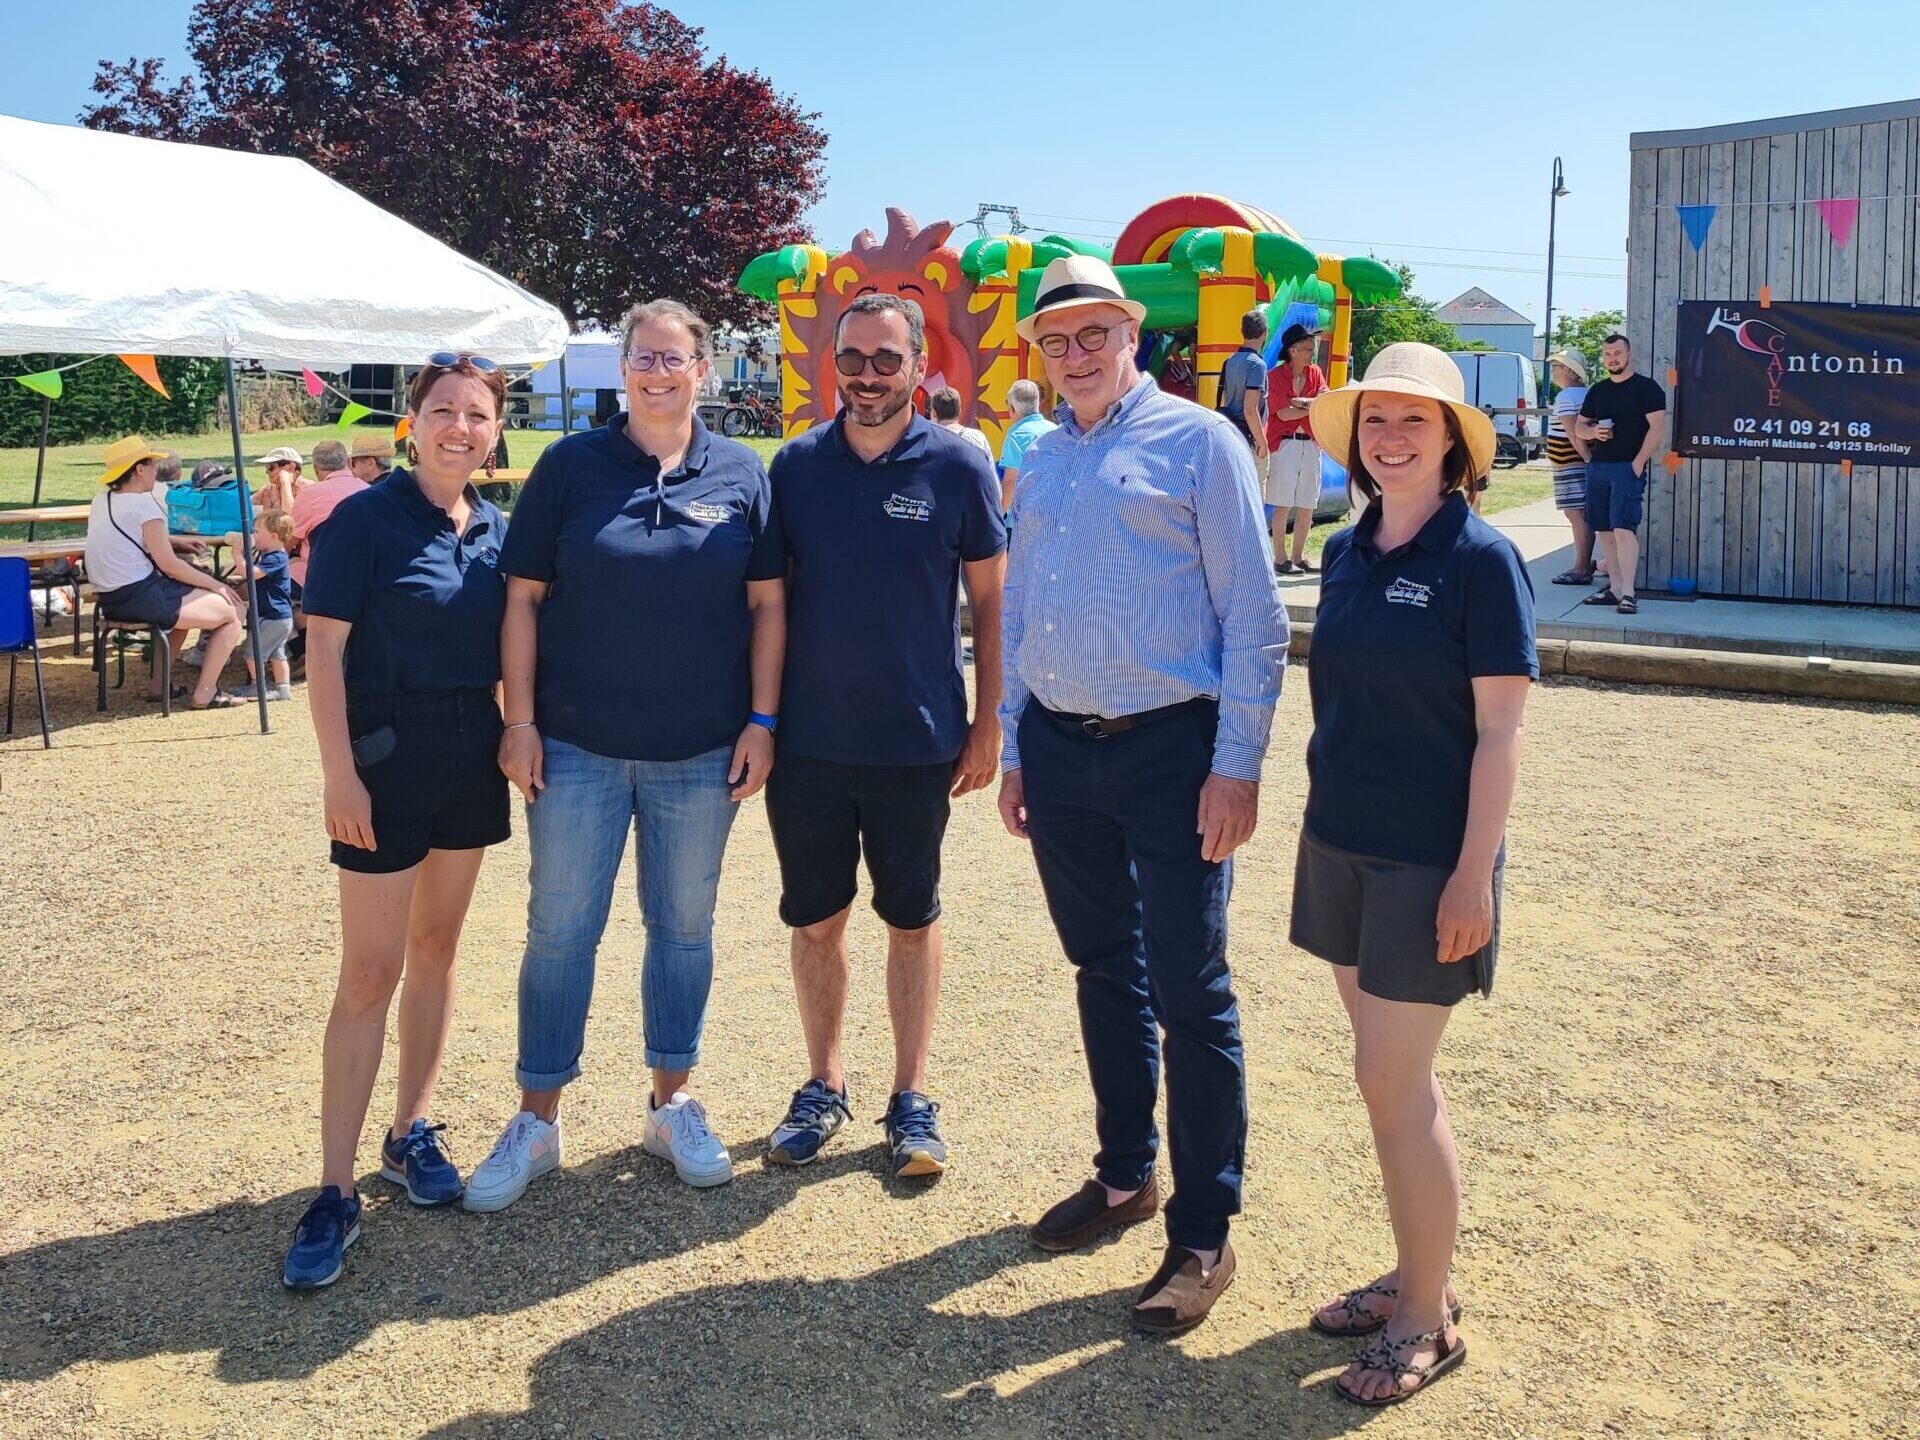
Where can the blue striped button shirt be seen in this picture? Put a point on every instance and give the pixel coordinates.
(1140, 576)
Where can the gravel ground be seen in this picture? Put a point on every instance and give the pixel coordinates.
(1687, 1120)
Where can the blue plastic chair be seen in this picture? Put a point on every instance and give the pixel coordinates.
(16, 634)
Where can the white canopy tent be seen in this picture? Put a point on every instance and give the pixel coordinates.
(116, 244)
(101, 252)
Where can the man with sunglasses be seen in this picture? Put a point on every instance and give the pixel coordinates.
(1145, 644)
(883, 515)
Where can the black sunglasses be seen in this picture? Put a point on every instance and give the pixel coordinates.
(445, 359)
(1093, 339)
(852, 362)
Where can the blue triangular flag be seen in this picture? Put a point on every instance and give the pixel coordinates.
(1697, 220)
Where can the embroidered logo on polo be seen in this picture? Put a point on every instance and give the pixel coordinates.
(1408, 592)
(906, 507)
(712, 514)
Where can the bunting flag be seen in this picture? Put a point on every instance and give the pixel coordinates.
(1840, 216)
(1672, 462)
(352, 415)
(316, 387)
(1697, 220)
(403, 429)
(45, 382)
(147, 370)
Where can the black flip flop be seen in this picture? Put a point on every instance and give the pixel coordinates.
(1573, 577)
(1605, 597)
(180, 692)
(222, 700)
(1628, 605)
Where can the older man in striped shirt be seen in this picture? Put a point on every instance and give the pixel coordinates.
(1145, 642)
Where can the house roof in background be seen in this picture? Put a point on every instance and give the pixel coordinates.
(1477, 307)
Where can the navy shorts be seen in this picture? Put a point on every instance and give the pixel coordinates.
(431, 765)
(1616, 495)
(823, 814)
(1380, 915)
(154, 600)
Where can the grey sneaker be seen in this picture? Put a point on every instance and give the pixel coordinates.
(815, 1114)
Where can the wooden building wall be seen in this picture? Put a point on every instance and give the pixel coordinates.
(1767, 528)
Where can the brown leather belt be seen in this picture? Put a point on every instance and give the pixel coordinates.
(1102, 727)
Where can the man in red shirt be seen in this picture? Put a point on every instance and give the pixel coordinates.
(1293, 460)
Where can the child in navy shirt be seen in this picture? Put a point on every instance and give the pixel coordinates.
(273, 596)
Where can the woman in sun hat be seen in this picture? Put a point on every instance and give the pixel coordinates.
(1423, 654)
(404, 598)
(132, 565)
(285, 479)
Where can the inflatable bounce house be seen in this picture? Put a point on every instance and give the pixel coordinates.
(1197, 262)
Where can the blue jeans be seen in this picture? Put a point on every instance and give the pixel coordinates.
(681, 816)
(1144, 920)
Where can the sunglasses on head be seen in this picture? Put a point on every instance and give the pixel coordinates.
(852, 362)
(1092, 339)
(446, 359)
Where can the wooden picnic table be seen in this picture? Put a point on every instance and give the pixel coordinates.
(45, 515)
(35, 551)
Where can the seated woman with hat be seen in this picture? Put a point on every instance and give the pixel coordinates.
(1423, 655)
(132, 564)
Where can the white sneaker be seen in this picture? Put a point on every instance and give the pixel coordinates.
(528, 1148)
(678, 1131)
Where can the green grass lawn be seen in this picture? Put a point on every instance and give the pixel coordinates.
(1509, 490)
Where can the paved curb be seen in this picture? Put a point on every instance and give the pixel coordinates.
(1811, 677)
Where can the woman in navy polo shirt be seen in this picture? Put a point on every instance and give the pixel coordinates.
(645, 631)
(404, 599)
(1423, 654)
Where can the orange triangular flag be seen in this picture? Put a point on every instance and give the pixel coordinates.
(1672, 463)
(144, 367)
(403, 429)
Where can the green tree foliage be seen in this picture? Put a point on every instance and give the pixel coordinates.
(106, 400)
(1411, 317)
(1586, 333)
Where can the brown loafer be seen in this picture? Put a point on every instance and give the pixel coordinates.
(1178, 1298)
(1085, 1215)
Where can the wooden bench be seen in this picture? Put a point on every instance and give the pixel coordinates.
(46, 515)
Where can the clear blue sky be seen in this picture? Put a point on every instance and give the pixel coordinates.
(1417, 131)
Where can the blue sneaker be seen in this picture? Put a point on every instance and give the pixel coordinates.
(418, 1160)
(320, 1241)
(913, 1133)
(815, 1114)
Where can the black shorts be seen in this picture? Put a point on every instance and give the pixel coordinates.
(156, 600)
(823, 813)
(1380, 915)
(432, 769)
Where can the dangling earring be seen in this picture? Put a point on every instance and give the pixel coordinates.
(490, 459)
(413, 455)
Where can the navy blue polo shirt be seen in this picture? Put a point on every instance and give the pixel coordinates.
(873, 620)
(273, 586)
(644, 633)
(1397, 641)
(425, 601)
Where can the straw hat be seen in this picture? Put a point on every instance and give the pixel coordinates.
(1572, 360)
(1406, 368)
(1077, 280)
(285, 454)
(123, 455)
(372, 447)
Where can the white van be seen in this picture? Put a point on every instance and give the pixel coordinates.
(1505, 381)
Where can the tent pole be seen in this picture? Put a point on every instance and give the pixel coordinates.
(246, 549)
(40, 465)
(566, 398)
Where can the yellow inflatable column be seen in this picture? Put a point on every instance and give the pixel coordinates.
(1339, 359)
(1224, 298)
(799, 299)
(1000, 348)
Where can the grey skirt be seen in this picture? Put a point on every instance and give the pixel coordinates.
(1379, 915)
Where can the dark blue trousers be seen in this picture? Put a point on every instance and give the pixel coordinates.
(1144, 920)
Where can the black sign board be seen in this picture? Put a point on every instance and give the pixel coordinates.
(1812, 383)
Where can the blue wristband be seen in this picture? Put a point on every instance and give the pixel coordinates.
(769, 723)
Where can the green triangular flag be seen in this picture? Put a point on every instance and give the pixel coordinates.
(46, 382)
(352, 415)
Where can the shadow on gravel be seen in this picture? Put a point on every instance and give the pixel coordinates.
(211, 1281)
(889, 1355)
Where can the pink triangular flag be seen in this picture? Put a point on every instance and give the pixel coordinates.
(315, 385)
(1840, 216)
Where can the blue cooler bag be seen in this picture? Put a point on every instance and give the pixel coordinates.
(206, 506)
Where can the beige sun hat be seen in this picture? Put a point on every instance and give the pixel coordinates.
(1406, 368)
(372, 447)
(1573, 360)
(1074, 280)
(284, 454)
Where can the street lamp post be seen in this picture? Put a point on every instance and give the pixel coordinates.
(1553, 215)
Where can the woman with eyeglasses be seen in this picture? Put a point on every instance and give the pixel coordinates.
(404, 598)
(644, 637)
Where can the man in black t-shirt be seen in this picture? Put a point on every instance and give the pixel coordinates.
(1624, 422)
